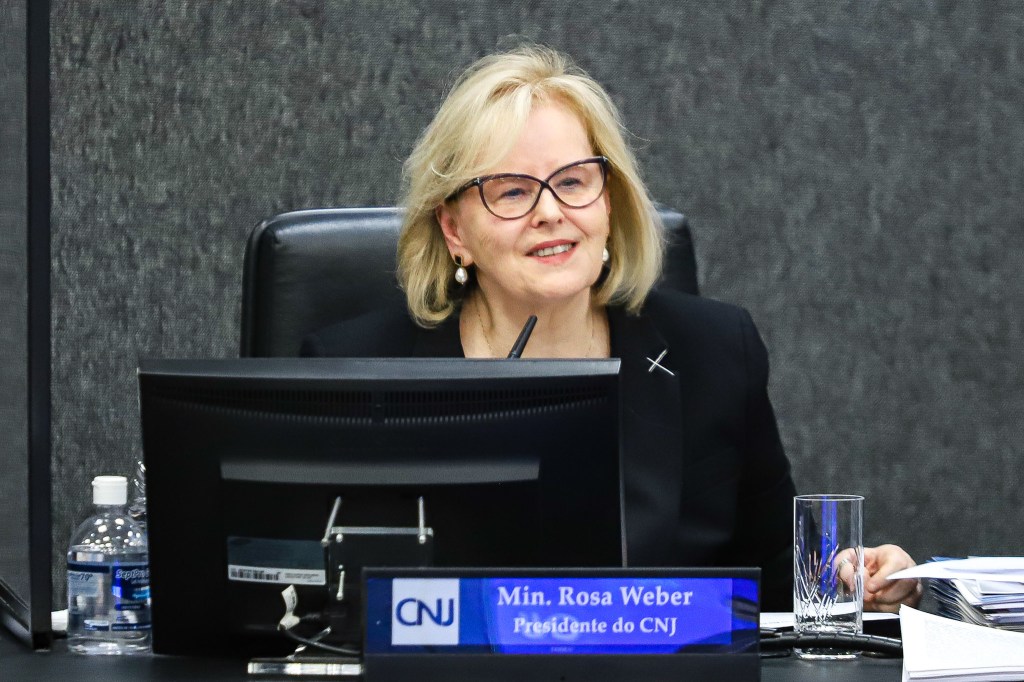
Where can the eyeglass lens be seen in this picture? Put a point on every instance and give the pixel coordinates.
(512, 196)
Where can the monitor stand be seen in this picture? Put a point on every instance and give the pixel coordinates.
(347, 550)
(305, 664)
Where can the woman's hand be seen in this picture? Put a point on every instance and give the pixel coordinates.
(887, 595)
(881, 594)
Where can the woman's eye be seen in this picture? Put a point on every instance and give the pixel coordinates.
(570, 184)
(513, 193)
(507, 192)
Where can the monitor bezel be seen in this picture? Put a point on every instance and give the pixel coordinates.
(325, 374)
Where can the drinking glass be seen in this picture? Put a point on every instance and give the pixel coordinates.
(828, 569)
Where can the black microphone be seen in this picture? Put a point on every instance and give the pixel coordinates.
(524, 336)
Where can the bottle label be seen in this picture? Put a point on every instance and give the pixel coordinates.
(128, 591)
(96, 625)
(130, 583)
(82, 583)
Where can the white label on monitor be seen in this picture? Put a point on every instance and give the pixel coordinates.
(275, 576)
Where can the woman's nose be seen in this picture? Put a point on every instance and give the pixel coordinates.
(548, 208)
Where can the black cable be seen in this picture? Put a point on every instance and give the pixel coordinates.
(344, 651)
(772, 642)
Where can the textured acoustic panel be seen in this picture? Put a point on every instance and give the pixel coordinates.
(13, 303)
(852, 171)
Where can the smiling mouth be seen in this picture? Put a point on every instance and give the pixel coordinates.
(552, 250)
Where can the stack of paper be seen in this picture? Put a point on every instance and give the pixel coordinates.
(937, 648)
(980, 590)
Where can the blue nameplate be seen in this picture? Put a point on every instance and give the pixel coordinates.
(599, 624)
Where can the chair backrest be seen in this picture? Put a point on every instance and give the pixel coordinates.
(305, 270)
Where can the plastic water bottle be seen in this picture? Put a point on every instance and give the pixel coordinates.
(137, 508)
(108, 577)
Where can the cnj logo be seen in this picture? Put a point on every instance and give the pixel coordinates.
(426, 611)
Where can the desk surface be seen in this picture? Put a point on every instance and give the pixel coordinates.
(19, 663)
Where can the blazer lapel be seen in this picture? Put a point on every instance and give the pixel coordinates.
(652, 439)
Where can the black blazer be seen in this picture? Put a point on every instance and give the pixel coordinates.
(706, 480)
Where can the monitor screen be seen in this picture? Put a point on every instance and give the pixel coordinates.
(251, 462)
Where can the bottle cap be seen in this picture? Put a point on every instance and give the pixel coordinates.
(109, 490)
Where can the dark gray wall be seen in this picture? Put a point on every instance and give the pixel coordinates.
(852, 171)
(14, 565)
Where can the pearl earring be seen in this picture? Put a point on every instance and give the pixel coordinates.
(461, 274)
(605, 256)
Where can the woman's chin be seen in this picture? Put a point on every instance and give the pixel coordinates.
(561, 295)
(546, 289)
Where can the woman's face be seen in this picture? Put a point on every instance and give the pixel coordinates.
(553, 253)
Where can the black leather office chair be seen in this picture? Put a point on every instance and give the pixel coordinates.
(305, 270)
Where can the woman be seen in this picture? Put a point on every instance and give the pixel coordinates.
(524, 199)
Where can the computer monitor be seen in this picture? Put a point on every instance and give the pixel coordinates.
(516, 463)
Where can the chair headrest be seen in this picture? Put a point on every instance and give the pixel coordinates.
(305, 270)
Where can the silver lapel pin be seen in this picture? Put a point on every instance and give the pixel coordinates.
(657, 363)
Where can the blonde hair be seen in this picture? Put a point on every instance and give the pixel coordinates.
(476, 126)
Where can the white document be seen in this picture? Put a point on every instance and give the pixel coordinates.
(937, 648)
(991, 594)
(1002, 568)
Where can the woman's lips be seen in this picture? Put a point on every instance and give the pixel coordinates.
(554, 251)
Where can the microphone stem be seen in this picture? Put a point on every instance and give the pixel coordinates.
(524, 336)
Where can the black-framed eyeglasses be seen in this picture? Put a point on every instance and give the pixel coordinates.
(513, 195)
